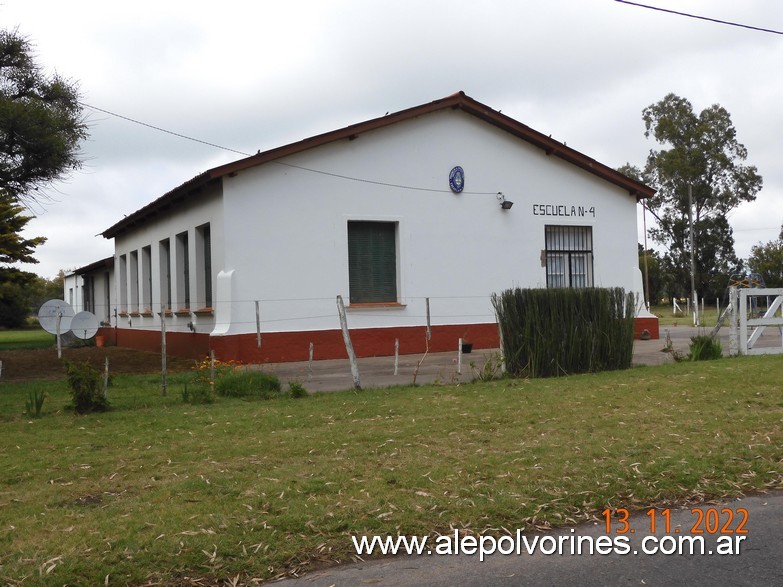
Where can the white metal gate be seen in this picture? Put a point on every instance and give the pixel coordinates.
(748, 330)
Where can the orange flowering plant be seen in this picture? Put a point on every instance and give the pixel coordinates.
(203, 369)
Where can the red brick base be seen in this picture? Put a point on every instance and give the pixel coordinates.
(281, 347)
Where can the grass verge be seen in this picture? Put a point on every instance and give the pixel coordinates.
(160, 491)
(29, 338)
(708, 318)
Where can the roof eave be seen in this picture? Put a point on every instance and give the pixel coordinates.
(164, 202)
(459, 100)
(467, 104)
(555, 148)
(106, 263)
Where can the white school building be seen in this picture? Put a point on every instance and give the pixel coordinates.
(416, 215)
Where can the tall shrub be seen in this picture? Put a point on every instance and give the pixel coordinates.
(549, 332)
(85, 382)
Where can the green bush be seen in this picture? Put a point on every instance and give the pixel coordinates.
(704, 348)
(296, 390)
(249, 384)
(86, 385)
(491, 369)
(550, 332)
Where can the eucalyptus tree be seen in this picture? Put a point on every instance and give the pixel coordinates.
(700, 154)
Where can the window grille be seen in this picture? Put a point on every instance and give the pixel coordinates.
(569, 256)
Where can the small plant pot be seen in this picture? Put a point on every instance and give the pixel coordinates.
(467, 347)
(100, 341)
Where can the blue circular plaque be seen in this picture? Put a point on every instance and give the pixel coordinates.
(457, 179)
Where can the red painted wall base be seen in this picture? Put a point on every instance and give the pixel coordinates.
(178, 344)
(277, 347)
(648, 324)
(282, 347)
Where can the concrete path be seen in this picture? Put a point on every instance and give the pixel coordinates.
(335, 375)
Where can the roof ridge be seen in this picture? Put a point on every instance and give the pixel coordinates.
(457, 100)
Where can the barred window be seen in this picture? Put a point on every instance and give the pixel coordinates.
(569, 256)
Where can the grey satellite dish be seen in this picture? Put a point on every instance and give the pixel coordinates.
(49, 312)
(85, 325)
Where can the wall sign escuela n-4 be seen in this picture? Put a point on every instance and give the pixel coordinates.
(563, 210)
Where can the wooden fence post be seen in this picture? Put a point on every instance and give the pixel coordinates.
(396, 356)
(258, 324)
(310, 363)
(59, 342)
(429, 328)
(163, 366)
(348, 343)
(106, 378)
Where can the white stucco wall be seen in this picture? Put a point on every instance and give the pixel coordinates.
(201, 209)
(103, 297)
(72, 291)
(285, 228)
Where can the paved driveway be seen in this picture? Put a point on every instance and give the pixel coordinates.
(335, 375)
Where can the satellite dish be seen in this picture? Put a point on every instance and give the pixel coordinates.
(85, 325)
(49, 312)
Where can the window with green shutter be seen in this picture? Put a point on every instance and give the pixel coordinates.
(372, 262)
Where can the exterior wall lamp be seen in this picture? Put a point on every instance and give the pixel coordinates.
(504, 203)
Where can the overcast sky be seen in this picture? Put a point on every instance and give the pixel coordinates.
(256, 75)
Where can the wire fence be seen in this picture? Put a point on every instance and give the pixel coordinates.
(289, 314)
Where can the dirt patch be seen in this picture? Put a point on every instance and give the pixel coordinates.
(28, 365)
(88, 500)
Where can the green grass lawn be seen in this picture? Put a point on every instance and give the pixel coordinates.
(666, 317)
(158, 490)
(28, 338)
